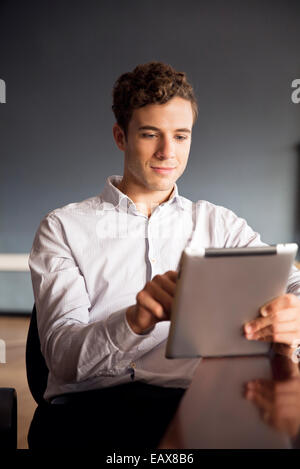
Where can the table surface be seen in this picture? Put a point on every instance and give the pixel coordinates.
(221, 410)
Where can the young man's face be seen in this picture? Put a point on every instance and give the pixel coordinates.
(158, 144)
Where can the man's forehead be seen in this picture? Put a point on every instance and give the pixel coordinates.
(164, 115)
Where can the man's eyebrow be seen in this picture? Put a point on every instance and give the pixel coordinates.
(151, 127)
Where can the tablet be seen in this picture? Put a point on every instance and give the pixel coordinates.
(219, 290)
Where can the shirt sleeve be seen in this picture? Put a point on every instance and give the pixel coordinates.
(237, 233)
(74, 348)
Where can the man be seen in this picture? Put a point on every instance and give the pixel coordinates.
(104, 270)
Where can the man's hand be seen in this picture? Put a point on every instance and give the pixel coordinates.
(280, 322)
(153, 303)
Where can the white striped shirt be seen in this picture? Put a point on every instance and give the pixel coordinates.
(88, 262)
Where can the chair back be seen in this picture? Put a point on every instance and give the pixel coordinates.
(36, 368)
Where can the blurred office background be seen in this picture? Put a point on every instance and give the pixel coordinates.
(60, 59)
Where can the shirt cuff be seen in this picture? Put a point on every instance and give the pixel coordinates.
(120, 333)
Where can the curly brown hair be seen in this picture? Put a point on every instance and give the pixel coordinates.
(150, 83)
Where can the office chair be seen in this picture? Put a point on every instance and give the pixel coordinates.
(36, 368)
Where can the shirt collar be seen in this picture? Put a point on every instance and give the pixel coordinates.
(112, 197)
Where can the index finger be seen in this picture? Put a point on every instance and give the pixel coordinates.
(280, 316)
(172, 275)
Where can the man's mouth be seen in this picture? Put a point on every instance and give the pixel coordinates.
(162, 170)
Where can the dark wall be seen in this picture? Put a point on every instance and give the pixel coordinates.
(60, 59)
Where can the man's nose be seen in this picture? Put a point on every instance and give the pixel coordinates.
(166, 149)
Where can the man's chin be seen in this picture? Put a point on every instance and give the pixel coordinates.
(161, 186)
(161, 182)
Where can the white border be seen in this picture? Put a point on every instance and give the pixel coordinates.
(14, 262)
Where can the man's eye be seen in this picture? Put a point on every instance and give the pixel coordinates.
(148, 135)
(181, 137)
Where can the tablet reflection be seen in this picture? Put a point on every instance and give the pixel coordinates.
(239, 402)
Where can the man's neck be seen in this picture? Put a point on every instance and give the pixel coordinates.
(145, 201)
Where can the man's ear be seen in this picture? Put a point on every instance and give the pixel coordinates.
(119, 136)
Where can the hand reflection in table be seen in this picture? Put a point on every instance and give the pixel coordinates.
(219, 409)
(278, 400)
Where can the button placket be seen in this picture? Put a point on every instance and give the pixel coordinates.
(151, 252)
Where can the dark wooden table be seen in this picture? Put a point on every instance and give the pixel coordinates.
(219, 410)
